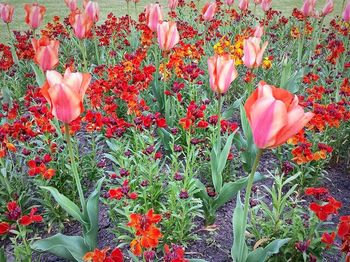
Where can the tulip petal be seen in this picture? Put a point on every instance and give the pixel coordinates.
(268, 117)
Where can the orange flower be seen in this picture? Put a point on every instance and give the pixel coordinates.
(34, 14)
(65, 94)
(46, 53)
(147, 234)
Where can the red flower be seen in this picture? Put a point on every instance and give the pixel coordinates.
(161, 122)
(31, 218)
(13, 211)
(322, 212)
(344, 227)
(4, 228)
(318, 192)
(328, 239)
(175, 254)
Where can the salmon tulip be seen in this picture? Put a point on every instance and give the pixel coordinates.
(229, 2)
(258, 31)
(168, 36)
(65, 94)
(92, 10)
(34, 14)
(221, 73)
(81, 24)
(153, 16)
(172, 4)
(266, 5)
(274, 115)
(71, 4)
(253, 54)
(243, 5)
(6, 12)
(346, 13)
(328, 8)
(209, 11)
(46, 53)
(308, 8)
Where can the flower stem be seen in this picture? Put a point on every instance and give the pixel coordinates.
(74, 168)
(219, 114)
(249, 190)
(83, 52)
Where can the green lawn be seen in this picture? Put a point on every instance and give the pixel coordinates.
(119, 7)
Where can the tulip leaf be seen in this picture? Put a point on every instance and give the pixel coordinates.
(230, 189)
(90, 235)
(68, 247)
(66, 204)
(39, 75)
(224, 154)
(239, 251)
(261, 254)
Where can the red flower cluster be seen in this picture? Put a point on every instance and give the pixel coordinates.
(38, 167)
(123, 191)
(14, 213)
(194, 117)
(324, 211)
(147, 234)
(101, 256)
(6, 60)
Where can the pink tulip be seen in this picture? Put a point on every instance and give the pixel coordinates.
(71, 4)
(229, 2)
(34, 14)
(172, 4)
(92, 10)
(274, 115)
(266, 5)
(208, 11)
(168, 36)
(257, 2)
(243, 5)
(81, 24)
(6, 12)
(46, 53)
(308, 8)
(346, 13)
(221, 73)
(65, 94)
(328, 8)
(153, 16)
(253, 54)
(258, 31)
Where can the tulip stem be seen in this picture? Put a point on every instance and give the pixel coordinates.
(74, 168)
(249, 190)
(8, 30)
(83, 52)
(219, 114)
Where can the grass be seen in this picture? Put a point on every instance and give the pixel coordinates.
(119, 7)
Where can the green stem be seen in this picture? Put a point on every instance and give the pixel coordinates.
(83, 52)
(74, 168)
(8, 30)
(96, 47)
(249, 190)
(219, 115)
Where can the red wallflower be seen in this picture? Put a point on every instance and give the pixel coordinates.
(4, 228)
(31, 218)
(328, 239)
(323, 211)
(147, 234)
(101, 256)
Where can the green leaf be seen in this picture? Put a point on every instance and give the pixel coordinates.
(261, 254)
(68, 247)
(229, 112)
(196, 260)
(239, 251)
(90, 235)
(230, 189)
(39, 75)
(224, 154)
(66, 204)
